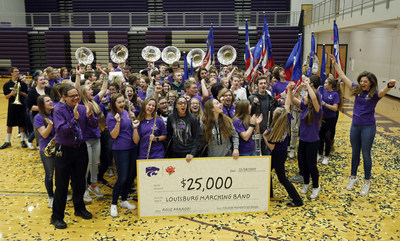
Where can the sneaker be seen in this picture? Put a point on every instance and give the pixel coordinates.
(305, 188)
(365, 188)
(315, 192)
(325, 161)
(87, 197)
(30, 145)
(291, 154)
(19, 135)
(126, 204)
(59, 224)
(319, 158)
(23, 144)
(5, 145)
(352, 182)
(51, 202)
(297, 179)
(114, 211)
(69, 198)
(110, 172)
(96, 190)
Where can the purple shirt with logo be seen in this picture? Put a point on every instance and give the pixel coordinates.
(244, 146)
(309, 133)
(39, 121)
(331, 98)
(229, 110)
(364, 108)
(157, 148)
(124, 139)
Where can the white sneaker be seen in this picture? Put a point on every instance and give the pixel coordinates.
(352, 182)
(305, 188)
(87, 197)
(126, 204)
(96, 190)
(69, 198)
(325, 161)
(365, 188)
(319, 158)
(113, 211)
(291, 154)
(30, 145)
(315, 192)
(51, 202)
(110, 172)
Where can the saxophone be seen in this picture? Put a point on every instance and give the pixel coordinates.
(50, 149)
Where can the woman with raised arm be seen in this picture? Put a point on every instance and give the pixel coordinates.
(277, 139)
(124, 151)
(149, 131)
(44, 125)
(310, 122)
(363, 127)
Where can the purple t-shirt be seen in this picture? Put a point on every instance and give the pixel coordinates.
(93, 133)
(279, 87)
(39, 121)
(309, 133)
(157, 148)
(229, 111)
(142, 94)
(124, 140)
(364, 108)
(244, 146)
(331, 98)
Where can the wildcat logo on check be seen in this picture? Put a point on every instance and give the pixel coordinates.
(152, 171)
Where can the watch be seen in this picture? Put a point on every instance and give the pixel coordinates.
(157, 138)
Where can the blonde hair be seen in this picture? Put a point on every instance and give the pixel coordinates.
(279, 126)
(200, 113)
(242, 112)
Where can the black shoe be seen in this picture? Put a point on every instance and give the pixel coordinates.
(293, 205)
(85, 214)
(59, 224)
(5, 145)
(23, 144)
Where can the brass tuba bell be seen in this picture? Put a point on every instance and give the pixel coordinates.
(197, 55)
(119, 54)
(226, 55)
(151, 54)
(17, 88)
(170, 54)
(84, 56)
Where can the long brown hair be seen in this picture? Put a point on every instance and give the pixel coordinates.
(40, 104)
(311, 111)
(357, 90)
(336, 87)
(242, 112)
(113, 99)
(224, 122)
(279, 126)
(142, 113)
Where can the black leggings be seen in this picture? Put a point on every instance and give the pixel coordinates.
(278, 163)
(326, 135)
(307, 155)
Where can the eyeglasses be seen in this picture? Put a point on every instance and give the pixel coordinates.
(73, 96)
(182, 103)
(163, 103)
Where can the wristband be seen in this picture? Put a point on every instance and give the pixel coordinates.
(252, 125)
(389, 86)
(157, 138)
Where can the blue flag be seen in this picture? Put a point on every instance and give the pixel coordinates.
(186, 69)
(312, 53)
(296, 75)
(323, 65)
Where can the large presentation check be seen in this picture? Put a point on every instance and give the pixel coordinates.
(205, 185)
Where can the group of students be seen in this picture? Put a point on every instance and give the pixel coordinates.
(94, 122)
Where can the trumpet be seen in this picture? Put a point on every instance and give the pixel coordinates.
(197, 55)
(84, 56)
(170, 54)
(119, 54)
(17, 88)
(226, 55)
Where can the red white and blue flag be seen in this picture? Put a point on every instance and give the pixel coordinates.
(291, 60)
(210, 50)
(267, 59)
(336, 50)
(257, 51)
(248, 55)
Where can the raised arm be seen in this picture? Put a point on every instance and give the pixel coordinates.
(290, 95)
(385, 90)
(340, 72)
(104, 86)
(312, 95)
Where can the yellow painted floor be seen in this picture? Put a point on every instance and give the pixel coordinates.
(337, 214)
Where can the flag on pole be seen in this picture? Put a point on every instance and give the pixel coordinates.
(296, 74)
(256, 60)
(185, 69)
(267, 59)
(336, 50)
(323, 66)
(210, 50)
(191, 67)
(291, 60)
(247, 54)
(312, 53)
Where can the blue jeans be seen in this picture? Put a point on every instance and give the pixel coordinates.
(252, 153)
(362, 138)
(125, 161)
(49, 166)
